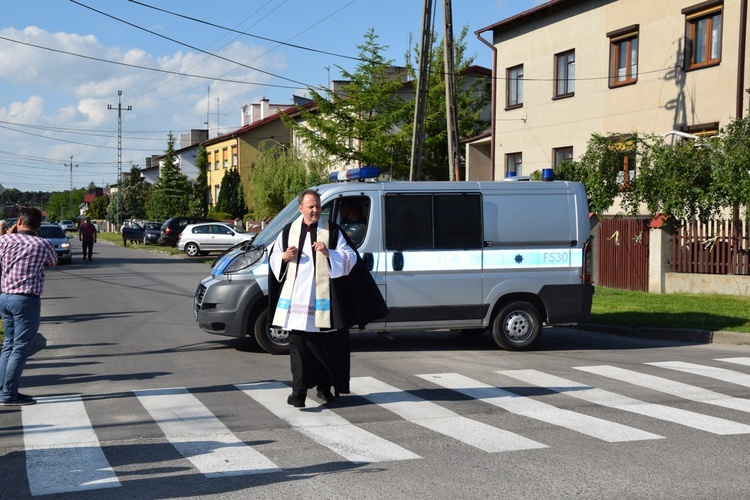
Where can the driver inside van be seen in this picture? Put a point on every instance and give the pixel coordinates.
(352, 221)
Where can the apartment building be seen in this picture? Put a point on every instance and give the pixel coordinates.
(570, 68)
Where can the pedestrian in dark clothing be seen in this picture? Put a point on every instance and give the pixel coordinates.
(87, 237)
(23, 256)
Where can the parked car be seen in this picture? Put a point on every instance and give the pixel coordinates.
(172, 228)
(200, 239)
(68, 225)
(57, 236)
(151, 232)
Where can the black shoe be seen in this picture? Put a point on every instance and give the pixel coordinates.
(18, 401)
(326, 395)
(295, 401)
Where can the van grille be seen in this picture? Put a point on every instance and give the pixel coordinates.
(199, 293)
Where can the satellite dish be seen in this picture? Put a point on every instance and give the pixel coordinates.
(246, 109)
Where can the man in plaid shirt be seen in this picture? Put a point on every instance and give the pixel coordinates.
(23, 256)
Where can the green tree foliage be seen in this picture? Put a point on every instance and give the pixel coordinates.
(135, 194)
(278, 177)
(471, 98)
(599, 168)
(170, 196)
(673, 180)
(98, 207)
(232, 195)
(730, 158)
(358, 123)
(63, 205)
(199, 203)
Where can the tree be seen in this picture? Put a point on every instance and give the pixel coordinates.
(98, 207)
(673, 180)
(199, 203)
(471, 99)
(278, 177)
(232, 195)
(135, 194)
(730, 157)
(170, 196)
(357, 124)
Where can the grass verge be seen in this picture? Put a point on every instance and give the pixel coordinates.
(679, 310)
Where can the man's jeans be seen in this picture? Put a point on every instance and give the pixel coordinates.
(21, 318)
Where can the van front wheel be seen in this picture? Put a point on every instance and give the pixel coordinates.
(517, 326)
(273, 339)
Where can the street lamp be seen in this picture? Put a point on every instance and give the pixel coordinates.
(70, 209)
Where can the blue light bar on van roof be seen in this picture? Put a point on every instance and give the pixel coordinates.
(356, 174)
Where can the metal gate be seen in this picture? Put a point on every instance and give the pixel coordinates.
(623, 253)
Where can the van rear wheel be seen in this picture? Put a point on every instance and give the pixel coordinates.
(517, 326)
(273, 340)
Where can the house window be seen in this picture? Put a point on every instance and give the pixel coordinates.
(561, 155)
(234, 157)
(513, 164)
(514, 93)
(623, 56)
(703, 35)
(216, 159)
(216, 193)
(565, 74)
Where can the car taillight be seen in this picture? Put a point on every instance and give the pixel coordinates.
(587, 261)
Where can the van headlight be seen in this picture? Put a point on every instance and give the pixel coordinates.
(245, 260)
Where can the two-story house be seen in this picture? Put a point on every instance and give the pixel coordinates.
(569, 68)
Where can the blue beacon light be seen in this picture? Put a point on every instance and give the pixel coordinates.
(356, 174)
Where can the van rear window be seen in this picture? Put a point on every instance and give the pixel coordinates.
(448, 221)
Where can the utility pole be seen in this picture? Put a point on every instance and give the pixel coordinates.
(70, 208)
(417, 142)
(451, 114)
(119, 109)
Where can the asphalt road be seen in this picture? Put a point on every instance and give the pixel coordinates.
(137, 402)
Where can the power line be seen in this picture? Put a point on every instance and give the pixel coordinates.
(301, 47)
(188, 45)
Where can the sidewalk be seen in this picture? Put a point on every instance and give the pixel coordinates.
(682, 334)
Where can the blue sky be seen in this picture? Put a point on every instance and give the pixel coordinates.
(54, 105)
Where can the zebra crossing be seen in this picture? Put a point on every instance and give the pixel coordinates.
(63, 452)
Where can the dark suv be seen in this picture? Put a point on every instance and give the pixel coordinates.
(172, 228)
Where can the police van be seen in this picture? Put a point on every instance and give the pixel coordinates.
(508, 256)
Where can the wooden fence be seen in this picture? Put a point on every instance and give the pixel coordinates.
(713, 247)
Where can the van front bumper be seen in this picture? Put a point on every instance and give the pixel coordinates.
(222, 307)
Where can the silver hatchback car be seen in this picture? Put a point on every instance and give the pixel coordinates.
(57, 237)
(200, 239)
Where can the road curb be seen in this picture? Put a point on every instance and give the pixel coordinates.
(681, 334)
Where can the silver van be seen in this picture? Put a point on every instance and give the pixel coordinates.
(508, 256)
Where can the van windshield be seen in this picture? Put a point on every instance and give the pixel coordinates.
(287, 215)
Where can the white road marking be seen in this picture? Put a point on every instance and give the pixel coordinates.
(745, 361)
(611, 432)
(63, 454)
(325, 427)
(439, 419)
(679, 389)
(722, 374)
(201, 437)
(601, 397)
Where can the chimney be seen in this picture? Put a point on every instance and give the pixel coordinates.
(264, 108)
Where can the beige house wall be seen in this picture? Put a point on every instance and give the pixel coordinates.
(664, 98)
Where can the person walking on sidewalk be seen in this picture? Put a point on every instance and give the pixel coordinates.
(23, 256)
(87, 236)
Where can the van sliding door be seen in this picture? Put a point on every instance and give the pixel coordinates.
(433, 244)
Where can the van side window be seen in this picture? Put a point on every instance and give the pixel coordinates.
(352, 214)
(443, 221)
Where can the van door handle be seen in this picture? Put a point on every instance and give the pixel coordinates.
(398, 261)
(369, 260)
